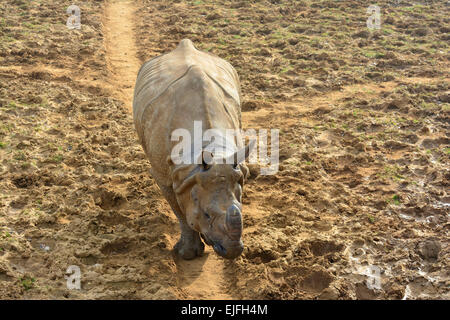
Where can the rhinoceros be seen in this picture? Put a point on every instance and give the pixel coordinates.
(177, 90)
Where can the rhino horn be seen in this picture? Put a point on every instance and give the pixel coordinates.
(233, 222)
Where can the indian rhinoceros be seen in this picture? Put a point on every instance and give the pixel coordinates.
(177, 90)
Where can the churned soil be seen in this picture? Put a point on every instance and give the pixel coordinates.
(359, 208)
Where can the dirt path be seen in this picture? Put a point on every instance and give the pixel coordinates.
(121, 48)
(203, 278)
(198, 279)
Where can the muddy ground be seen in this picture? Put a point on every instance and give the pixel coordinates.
(362, 189)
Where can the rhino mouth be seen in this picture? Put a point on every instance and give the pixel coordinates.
(232, 251)
(220, 249)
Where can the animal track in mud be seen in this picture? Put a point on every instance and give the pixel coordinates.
(109, 199)
(90, 260)
(19, 203)
(5, 277)
(261, 256)
(25, 181)
(120, 246)
(316, 281)
(433, 143)
(111, 218)
(322, 247)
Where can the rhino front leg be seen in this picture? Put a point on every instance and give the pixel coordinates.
(190, 245)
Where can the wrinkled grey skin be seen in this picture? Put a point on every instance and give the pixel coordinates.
(172, 91)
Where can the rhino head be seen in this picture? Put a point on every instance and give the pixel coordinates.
(211, 198)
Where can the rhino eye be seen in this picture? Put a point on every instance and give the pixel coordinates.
(207, 215)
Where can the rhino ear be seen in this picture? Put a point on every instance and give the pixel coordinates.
(241, 155)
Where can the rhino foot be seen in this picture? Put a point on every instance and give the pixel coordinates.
(188, 249)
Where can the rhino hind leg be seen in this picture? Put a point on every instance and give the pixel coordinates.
(190, 245)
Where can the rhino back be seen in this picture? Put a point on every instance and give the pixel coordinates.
(158, 74)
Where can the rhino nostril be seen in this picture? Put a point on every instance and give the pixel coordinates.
(220, 249)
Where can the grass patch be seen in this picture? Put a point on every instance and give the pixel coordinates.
(20, 156)
(396, 199)
(27, 283)
(12, 105)
(6, 235)
(391, 172)
(373, 54)
(57, 158)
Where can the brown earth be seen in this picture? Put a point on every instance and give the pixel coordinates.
(364, 151)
